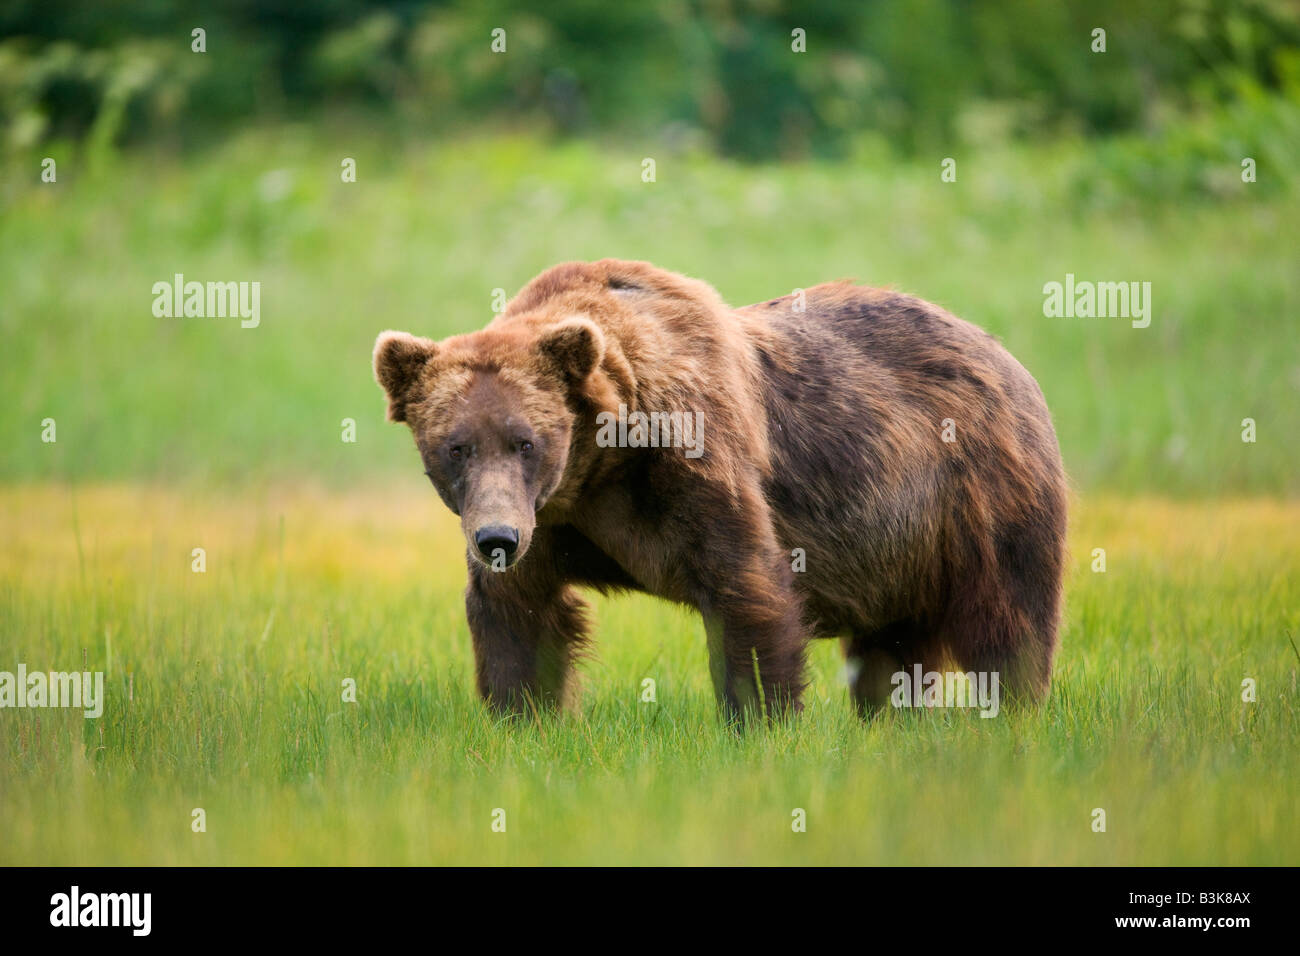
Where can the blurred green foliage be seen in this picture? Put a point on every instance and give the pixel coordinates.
(916, 74)
(1187, 91)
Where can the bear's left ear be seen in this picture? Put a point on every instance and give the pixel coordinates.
(575, 347)
(399, 360)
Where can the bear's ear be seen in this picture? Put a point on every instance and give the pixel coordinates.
(399, 360)
(574, 347)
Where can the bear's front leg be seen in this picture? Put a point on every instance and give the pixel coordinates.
(753, 618)
(527, 627)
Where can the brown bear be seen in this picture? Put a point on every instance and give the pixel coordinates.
(842, 462)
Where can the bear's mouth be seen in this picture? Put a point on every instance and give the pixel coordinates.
(498, 563)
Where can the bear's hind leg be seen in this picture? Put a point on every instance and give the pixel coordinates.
(991, 632)
(1005, 609)
(869, 669)
(872, 658)
(1024, 667)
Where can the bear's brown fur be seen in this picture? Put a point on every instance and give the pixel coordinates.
(824, 429)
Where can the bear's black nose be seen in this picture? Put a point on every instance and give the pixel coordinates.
(496, 537)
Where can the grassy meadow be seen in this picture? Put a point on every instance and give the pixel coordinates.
(224, 693)
(328, 560)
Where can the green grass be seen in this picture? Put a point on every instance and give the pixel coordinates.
(429, 231)
(224, 692)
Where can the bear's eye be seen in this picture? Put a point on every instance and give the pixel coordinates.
(456, 452)
(525, 446)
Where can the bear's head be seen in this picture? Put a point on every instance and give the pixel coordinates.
(493, 414)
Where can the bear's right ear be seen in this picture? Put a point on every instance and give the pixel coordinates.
(574, 348)
(399, 359)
